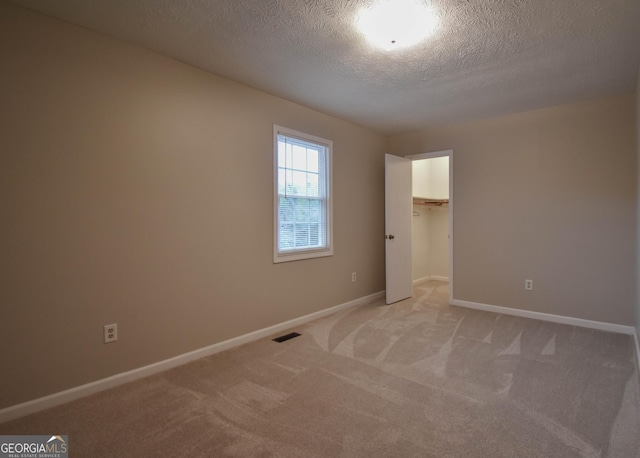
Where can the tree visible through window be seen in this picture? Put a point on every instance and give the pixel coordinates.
(303, 205)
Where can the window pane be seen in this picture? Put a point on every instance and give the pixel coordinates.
(314, 235)
(281, 181)
(299, 185)
(312, 185)
(302, 210)
(284, 153)
(314, 211)
(299, 158)
(281, 154)
(302, 171)
(302, 235)
(286, 210)
(286, 239)
(312, 160)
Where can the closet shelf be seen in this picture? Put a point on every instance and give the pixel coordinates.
(430, 202)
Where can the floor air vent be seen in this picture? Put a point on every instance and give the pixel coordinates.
(286, 337)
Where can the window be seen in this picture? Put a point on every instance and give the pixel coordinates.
(302, 196)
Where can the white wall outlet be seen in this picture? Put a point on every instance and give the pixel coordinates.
(110, 333)
(354, 276)
(528, 285)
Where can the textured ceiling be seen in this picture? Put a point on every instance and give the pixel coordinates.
(489, 57)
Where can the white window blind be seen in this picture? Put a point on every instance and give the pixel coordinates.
(302, 196)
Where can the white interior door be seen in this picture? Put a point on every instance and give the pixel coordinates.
(398, 207)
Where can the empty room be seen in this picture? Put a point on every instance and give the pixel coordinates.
(309, 228)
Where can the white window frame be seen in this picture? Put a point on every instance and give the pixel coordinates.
(306, 253)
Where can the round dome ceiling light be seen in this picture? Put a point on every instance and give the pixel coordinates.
(394, 24)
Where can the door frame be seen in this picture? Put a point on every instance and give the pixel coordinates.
(432, 155)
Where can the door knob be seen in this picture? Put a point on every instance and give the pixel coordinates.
(391, 237)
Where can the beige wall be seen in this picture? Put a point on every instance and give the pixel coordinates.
(136, 189)
(548, 195)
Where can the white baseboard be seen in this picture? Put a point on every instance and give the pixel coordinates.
(430, 277)
(611, 327)
(52, 400)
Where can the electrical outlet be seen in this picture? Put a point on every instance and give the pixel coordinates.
(110, 333)
(528, 285)
(354, 276)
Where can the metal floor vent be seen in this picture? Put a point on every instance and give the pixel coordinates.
(286, 337)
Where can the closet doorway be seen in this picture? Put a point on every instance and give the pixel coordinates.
(432, 220)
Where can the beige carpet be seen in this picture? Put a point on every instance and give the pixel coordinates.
(415, 379)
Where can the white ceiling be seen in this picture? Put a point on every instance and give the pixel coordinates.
(490, 57)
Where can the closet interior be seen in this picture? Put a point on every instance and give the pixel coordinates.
(430, 222)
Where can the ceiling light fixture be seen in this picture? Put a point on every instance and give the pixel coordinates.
(394, 24)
